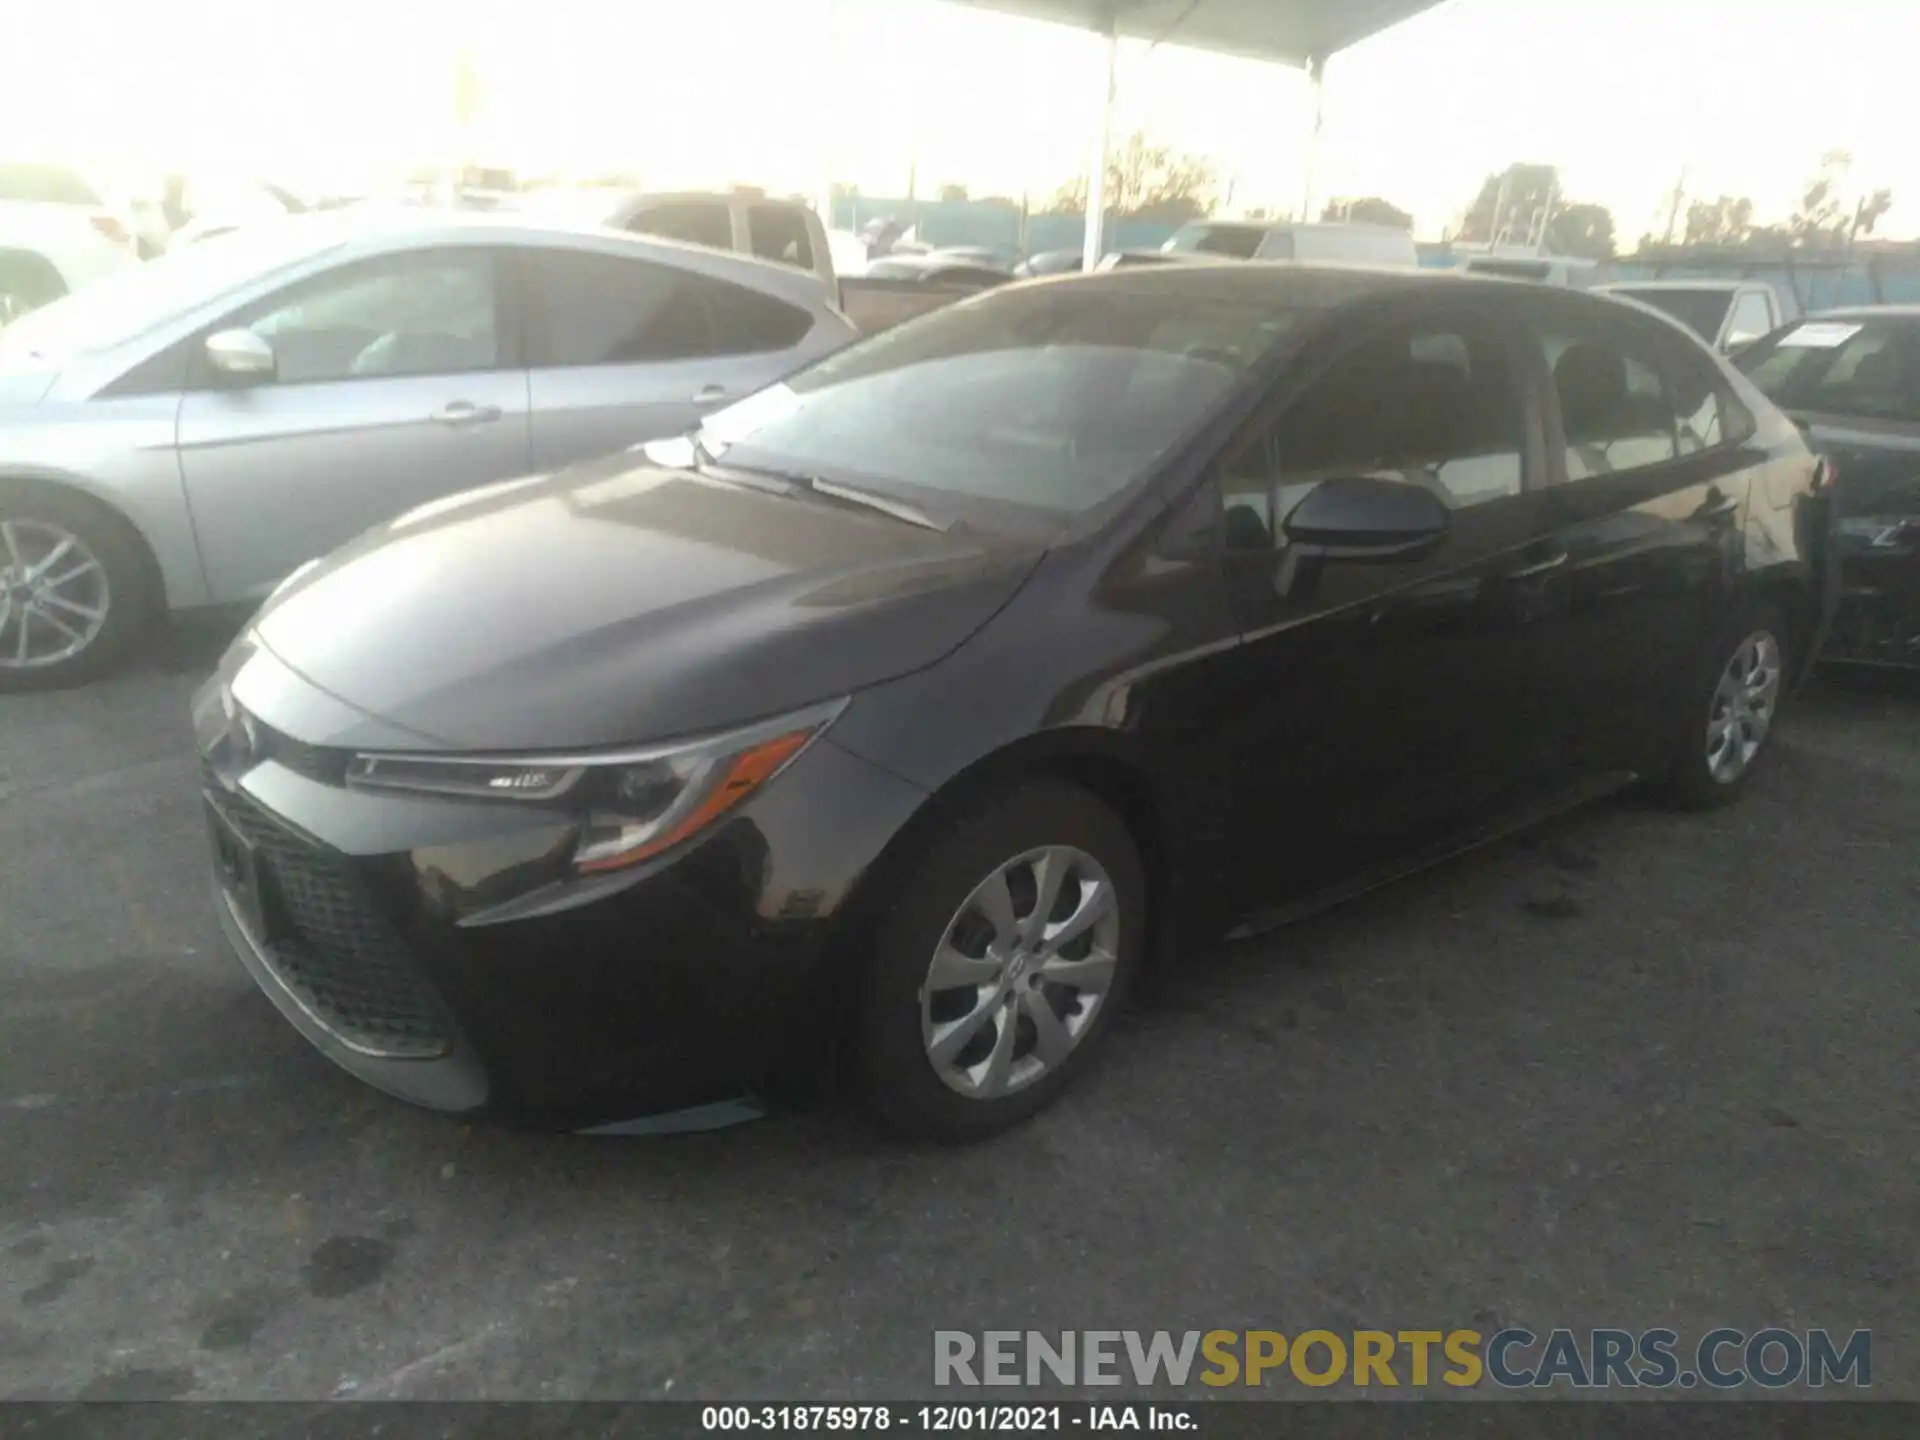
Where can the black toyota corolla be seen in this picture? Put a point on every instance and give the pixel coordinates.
(906, 708)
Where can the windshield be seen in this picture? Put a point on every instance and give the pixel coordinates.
(1239, 241)
(135, 299)
(1042, 402)
(1869, 369)
(1701, 311)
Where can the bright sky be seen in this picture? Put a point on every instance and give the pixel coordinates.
(1622, 94)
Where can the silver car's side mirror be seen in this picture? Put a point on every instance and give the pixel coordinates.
(240, 353)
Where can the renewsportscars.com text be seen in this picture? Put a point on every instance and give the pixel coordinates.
(1514, 1358)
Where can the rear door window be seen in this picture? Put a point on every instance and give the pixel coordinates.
(591, 309)
(1618, 409)
(1752, 317)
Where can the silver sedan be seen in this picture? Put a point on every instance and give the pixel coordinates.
(189, 432)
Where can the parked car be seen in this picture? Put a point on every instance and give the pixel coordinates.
(938, 267)
(1852, 377)
(910, 703)
(56, 234)
(187, 433)
(1727, 314)
(787, 232)
(1327, 243)
(1050, 262)
(1520, 263)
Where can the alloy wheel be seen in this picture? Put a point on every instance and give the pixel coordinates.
(1021, 972)
(54, 595)
(1744, 704)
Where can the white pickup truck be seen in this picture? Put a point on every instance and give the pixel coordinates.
(789, 232)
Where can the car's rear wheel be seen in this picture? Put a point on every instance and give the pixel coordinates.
(1000, 968)
(74, 593)
(1732, 711)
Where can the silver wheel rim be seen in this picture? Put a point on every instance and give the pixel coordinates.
(54, 595)
(1021, 973)
(1743, 707)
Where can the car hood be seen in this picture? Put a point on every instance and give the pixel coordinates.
(619, 602)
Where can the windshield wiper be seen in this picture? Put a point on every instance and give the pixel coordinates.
(885, 504)
(818, 485)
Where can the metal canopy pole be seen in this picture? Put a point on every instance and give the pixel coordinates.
(1097, 182)
(1317, 81)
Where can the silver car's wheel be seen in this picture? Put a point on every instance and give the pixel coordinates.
(1743, 707)
(55, 595)
(1021, 972)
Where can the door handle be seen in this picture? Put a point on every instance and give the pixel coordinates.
(707, 394)
(464, 412)
(1539, 567)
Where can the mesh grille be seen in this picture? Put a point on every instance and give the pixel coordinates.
(333, 948)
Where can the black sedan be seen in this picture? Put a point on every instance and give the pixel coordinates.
(1852, 377)
(906, 710)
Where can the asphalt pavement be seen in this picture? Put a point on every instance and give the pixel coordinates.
(1634, 1070)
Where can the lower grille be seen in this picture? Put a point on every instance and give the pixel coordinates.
(333, 949)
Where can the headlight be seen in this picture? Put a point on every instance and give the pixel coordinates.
(634, 804)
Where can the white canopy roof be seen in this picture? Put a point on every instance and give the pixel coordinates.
(1287, 32)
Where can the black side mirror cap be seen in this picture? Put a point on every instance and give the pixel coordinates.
(1363, 517)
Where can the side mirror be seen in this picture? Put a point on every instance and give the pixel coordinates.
(1359, 517)
(240, 353)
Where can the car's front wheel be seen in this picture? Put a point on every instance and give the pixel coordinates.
(73, 591)
(1732, 711)
(1002, 964)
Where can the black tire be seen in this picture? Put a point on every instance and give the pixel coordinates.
(1689, 782)
(900, 1085)
(133, 597)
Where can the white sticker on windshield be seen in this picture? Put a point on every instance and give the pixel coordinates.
(1821, 335)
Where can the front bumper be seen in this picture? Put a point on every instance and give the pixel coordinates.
(441, 951)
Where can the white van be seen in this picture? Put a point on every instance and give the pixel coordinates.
(1326, 243)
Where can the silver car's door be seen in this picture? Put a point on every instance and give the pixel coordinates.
(624, 349)
(397, 380)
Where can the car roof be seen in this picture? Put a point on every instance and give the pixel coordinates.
(1870, 312)
(1315, 284)
(376, 227)
(1678, 284)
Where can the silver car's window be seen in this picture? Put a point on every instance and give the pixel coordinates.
(397, 315)
(590, 309)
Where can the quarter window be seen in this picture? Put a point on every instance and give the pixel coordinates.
(1431, 405)
(411, 314)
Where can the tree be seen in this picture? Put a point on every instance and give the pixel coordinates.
(1370, 211)
(1508, 200)
(952, 193)
(1725, 221)
(1147, 181)
(1819, 216)
(1867, 213)
(1582, 230)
